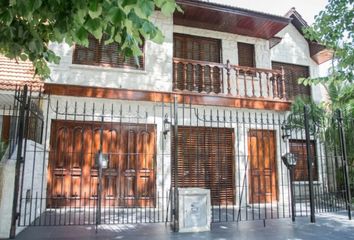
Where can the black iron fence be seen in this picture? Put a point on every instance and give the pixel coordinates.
(99, 161)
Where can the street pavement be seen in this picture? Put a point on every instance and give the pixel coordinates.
(328, 226)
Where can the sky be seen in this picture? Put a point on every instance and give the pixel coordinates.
(307, 8)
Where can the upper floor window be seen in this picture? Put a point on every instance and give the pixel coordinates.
(292, 74)
(98, 54)
(246, 55)
(197, 48)
(197, 73)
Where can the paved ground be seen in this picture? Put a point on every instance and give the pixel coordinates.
(327, 226)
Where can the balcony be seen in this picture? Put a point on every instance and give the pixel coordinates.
(208, 78)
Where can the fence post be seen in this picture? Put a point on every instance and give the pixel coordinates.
(345, 161)
(309, 163)
(21, 125)
(175, 167)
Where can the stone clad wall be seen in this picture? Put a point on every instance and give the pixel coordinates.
(158, 72)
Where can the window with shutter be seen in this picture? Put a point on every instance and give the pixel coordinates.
(292, 74)
(298, 147)
(105, 55)
(205, 160)
(246, 55)
(199, 49)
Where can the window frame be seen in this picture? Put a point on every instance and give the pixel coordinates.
(292, 85)
(200, 39)
(253, 54)
(99, 49)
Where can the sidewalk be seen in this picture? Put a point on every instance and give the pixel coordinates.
(328, 226)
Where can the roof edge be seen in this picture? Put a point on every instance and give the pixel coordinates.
(233, 9)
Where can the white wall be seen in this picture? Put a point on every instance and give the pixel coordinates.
(7, 177)
(34, 176)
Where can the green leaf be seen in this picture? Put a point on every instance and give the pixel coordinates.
(128, 26)
(36, 4)
(118, 38)
(96, 12)
(6, 17)
(168, 7)
(93, 5)
(35, 46)
(52, 57)
(116, 15)
(23, 57)
(179, 9)
(82, 36)
(159, 3)
(146, 7)
(159, 37)
(81, 15)
(94, 27)
(12, 3)
(129, 2)
(136, 50)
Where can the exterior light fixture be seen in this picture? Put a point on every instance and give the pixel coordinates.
(286, 132)
(166, 126)
(290, 159)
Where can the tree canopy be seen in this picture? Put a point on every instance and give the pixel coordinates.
(28, 26)
(334, 28)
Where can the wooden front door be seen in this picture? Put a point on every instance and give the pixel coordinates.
(129, 179)
(262, 167)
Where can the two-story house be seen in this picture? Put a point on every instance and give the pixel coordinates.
(203, 109)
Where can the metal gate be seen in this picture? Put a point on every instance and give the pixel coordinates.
(98, 161)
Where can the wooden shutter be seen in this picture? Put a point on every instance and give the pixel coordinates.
(87, 55)
(246, 54)
(5, 131)
(298, 147)
(105, 55)
(199, 49)
(292, 74)
(205, 160)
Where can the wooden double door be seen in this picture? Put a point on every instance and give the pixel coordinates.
(263, 186)
(129, 179)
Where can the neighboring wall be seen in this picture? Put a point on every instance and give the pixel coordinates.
(33, 185)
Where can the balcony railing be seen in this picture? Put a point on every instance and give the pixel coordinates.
(227, 79)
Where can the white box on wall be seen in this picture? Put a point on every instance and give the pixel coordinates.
(194, 209)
